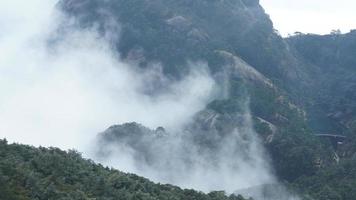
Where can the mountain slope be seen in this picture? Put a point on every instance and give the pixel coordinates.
(40, 173)
(332, 56)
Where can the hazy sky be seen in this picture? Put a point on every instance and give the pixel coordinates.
(311, 16)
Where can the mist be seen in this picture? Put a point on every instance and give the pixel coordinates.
(62, 89)
(63, 93)
(236, 161)
(231, 160)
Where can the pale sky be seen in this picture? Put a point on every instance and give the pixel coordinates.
(311, 16)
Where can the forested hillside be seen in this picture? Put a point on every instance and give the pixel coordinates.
(28, 173)
(332, 57)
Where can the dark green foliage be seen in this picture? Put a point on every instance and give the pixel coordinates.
(299, 152)
(28, 173)
(334, 183)
(333, 59)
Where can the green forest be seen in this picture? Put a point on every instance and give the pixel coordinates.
(28, 173)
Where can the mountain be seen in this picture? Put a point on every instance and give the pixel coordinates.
(50, 173)
(290, 90)
(237, 41)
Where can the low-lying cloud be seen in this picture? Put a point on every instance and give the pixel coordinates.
(206, 160)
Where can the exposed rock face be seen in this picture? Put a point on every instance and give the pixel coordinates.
(179, 22)
(241, 69)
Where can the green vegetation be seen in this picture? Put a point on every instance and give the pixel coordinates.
(332, 58)
(335, 183)
(28, 173)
